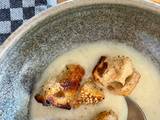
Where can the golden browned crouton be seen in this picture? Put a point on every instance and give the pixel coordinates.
(90, 93)
(110, 69)
(107, 115)
(62, 91)
(100, 68)
(116, 73)
(129, 86)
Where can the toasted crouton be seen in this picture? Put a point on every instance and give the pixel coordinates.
(107, 115)
(110, 69)
(90, 93)
(117, 74)
(129, 86)
(61, 92)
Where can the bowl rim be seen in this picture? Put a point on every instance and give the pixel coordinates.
(32, 22)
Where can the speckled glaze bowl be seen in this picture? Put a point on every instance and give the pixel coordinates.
(29, 50)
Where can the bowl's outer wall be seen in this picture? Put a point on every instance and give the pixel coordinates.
(23, 64)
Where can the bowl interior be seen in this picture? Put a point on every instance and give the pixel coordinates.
(22, 65)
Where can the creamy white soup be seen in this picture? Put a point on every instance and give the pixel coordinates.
(146, 93)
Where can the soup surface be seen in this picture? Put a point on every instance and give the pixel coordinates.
(87, 55)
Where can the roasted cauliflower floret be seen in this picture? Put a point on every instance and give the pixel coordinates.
(90, 93)
(129, 86)
(62, 91)
(117, 73)
(107, 115)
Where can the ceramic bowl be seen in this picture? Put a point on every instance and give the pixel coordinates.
(30, 49)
